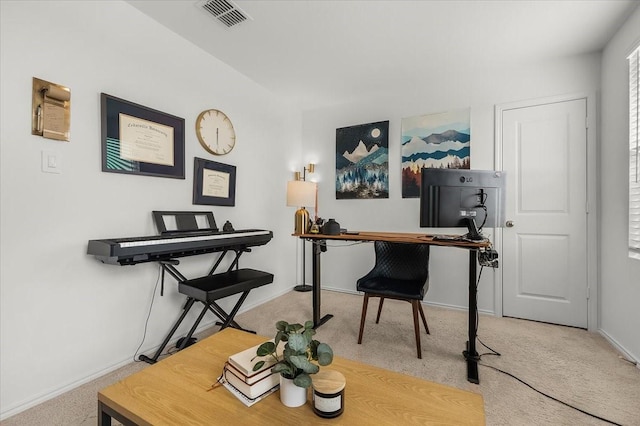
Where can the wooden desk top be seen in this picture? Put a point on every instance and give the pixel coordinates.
(175, 391)
(401, 237)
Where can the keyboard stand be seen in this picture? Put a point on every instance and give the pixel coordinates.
(207, 290)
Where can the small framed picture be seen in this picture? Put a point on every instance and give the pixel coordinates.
(214, 183)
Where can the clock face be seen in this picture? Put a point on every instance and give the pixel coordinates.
(215, 132)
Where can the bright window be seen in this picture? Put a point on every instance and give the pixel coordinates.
(634, 154)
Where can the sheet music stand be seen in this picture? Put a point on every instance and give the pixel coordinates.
(181, 221)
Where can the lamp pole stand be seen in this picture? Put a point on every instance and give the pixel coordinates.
(303, 287)
(302, 225)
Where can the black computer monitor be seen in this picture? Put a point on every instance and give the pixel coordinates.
(451, 198)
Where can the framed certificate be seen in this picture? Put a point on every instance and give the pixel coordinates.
(213, 183)
(141, 141)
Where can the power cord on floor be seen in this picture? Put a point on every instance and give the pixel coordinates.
(494, 352)
(146, 322)
(551, 397)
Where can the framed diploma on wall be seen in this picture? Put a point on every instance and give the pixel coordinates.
(141, 141)
(213, 183)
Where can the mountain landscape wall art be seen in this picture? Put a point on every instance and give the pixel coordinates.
(436, 140)
(362, 161)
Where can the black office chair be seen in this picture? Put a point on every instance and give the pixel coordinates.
(401, 272)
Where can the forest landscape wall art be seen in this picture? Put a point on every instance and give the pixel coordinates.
(436, 140)
(362, 161)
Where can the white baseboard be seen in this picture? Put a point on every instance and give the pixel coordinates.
(438, 305)
(47, 395)
(624, 353)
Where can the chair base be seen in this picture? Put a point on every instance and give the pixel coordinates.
(416, 308)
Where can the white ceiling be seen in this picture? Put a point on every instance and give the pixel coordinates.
(322, 52)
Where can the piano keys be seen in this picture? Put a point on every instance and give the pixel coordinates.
(133, 250)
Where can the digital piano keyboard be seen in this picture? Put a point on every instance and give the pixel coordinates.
(133, 250)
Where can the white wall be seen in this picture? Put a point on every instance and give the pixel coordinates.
(478, 87)
(67, 318)
(619, 274)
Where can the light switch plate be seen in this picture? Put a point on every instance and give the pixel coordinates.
(51, 162)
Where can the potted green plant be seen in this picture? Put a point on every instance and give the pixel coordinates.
(295, 365)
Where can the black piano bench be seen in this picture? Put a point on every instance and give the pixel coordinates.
(207, 290)
(210, 288)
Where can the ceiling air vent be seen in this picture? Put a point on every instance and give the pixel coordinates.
(225, 11)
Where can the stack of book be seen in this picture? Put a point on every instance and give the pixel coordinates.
(247, 385)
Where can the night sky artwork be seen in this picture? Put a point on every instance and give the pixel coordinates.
(362, 161)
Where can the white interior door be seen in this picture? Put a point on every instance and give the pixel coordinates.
(544, 154)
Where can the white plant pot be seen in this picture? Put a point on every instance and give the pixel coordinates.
(290, 394)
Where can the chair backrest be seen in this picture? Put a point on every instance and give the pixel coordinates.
(402, 261)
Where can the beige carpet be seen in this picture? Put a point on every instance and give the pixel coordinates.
(572, 365)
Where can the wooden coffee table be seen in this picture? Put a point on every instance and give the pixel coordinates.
(177, 391)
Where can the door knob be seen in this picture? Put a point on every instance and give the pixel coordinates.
(509, 224)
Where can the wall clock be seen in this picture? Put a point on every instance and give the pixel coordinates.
(215, 132)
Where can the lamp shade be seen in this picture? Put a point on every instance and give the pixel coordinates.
(301, 194)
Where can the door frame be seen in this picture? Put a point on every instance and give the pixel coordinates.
(593, 289)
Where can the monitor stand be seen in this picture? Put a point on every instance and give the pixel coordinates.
(473, 234)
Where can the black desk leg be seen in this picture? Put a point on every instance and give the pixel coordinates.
(471, 354)
(317, 251)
